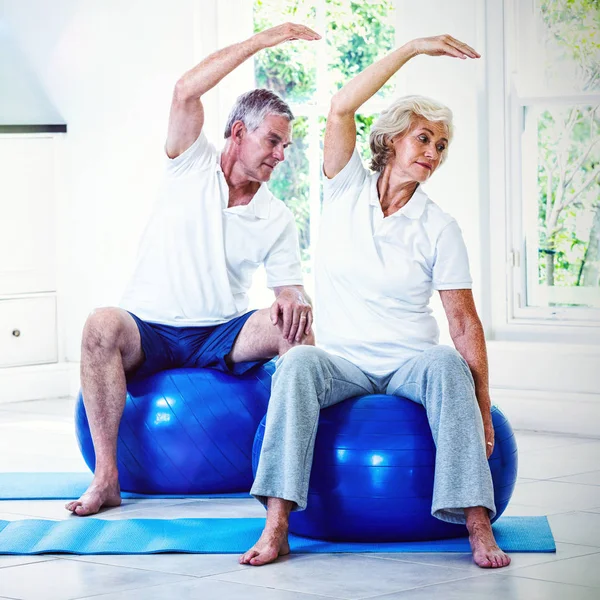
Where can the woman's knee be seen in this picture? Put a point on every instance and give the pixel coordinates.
(446, 359)
(303, 359)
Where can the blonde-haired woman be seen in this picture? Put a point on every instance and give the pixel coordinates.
(384, 248)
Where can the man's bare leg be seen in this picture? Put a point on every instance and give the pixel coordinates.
(273, 542)
(111, 346)
(486, 552)
(260, 339)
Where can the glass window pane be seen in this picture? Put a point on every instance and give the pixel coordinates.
(290, 181)
(559, 47)
(562, 205)
(358, 33)
(288, 69)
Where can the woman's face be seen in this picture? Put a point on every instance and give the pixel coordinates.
(417, 152)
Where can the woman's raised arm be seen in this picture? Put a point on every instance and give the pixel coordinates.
(340, 133)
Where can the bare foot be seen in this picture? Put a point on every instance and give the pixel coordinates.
(100, 494)
(486, 552)
(272, 544)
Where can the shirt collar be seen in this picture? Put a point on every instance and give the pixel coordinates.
(261, 203)
(259, 206)
(413, 209)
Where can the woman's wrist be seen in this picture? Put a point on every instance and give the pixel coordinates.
(410, 49)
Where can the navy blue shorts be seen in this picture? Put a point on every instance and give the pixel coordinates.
(171, 347)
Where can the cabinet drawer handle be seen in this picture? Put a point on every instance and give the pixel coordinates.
(16, 332)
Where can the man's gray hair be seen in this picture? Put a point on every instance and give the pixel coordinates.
(252, 107)
(397, 119)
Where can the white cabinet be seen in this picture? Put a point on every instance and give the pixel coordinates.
(28, 332)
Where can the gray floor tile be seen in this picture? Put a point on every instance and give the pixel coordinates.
(206, 589)
(60, 579)
(61, 407)
(557, 495)
(14, 561)
(530, 441)
(55, 509)
(521, 510)
(343, 575)
(499, 586)
(560, 462)
(459, 560)
(195, 565)
(581, 570)
(576, 528)
(591, 478)
(12, 516)
(195, 509)
(40, 463)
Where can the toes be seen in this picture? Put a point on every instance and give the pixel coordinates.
(263, 559)
(248, 556)
(483, 561)
(72, 506)
(83, 510)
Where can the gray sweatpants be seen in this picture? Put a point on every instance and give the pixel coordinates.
(308, 379)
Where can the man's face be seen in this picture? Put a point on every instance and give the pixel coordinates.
(264, 148)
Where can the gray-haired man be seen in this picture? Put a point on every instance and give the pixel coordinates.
(215, 223)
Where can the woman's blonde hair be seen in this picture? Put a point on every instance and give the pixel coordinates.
(397, 119)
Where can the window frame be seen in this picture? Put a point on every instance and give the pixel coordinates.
(511, 317)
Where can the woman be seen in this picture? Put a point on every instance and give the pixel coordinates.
(385, 246)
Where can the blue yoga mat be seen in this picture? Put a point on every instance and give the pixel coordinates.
(63, 486)
(226, 536)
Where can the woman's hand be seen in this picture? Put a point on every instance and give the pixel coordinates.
(488, 430)
(442, 45)
(284, 33)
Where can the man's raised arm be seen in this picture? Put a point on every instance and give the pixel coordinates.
(187, 114)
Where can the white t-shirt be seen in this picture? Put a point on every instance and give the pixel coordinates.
(197, 257)
(374, 275)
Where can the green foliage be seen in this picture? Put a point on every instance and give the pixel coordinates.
(356, 35)
(568, 158)
(574, 26)
(288, 69)
(290, 181)
(567, 155)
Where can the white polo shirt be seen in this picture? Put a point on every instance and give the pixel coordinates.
(197, 257)
(374, 275)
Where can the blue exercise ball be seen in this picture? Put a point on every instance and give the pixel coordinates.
(186, 431)
(373, 470)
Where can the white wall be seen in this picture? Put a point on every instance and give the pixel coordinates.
(109, 68)
(457, 186)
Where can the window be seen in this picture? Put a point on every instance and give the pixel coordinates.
(553, 84)
(307, 75)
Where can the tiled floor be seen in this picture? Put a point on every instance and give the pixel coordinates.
(559, 477)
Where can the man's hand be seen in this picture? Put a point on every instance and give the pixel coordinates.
(284, 33)
(292, 312)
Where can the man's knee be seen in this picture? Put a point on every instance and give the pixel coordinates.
(103, 330)
(284, 346)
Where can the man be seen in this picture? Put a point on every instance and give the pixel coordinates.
(214, 224)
